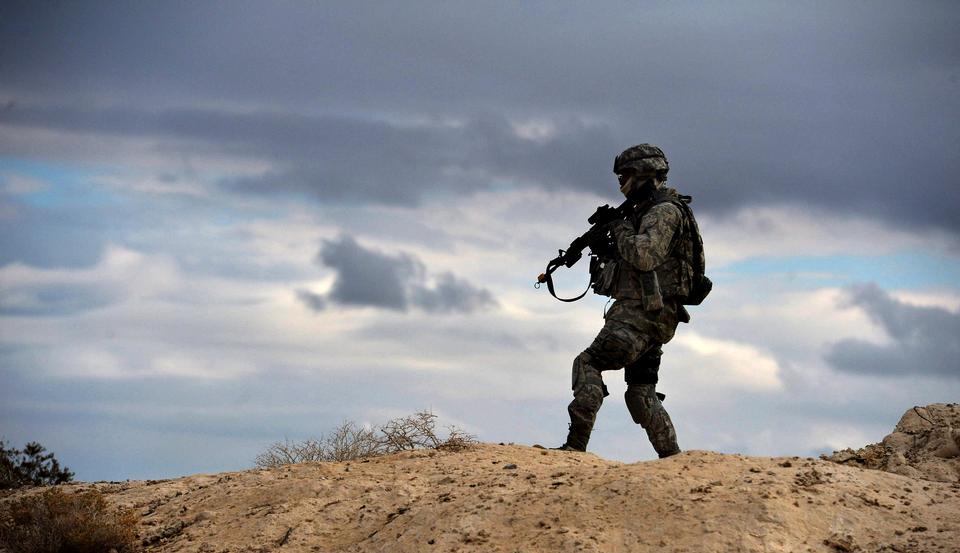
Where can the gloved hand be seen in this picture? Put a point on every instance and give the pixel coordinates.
(604, 213)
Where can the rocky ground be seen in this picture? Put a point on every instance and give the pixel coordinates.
(516, 498)
(924, 444)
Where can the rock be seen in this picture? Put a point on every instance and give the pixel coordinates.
(925, 443)
(164, 533)
(202, 516)
(841, 542)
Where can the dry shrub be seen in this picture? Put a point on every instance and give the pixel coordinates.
(457, 440)
(350, 441)
(52, 522)
(288, 452)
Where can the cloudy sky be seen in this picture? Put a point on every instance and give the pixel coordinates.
(226, 224)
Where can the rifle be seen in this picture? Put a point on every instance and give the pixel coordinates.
(597, 238)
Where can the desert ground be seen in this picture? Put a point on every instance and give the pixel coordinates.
(516, 498)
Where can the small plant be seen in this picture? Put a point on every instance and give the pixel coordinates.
(349, 441)
(288, 452)
(30, 466)
(54, 521)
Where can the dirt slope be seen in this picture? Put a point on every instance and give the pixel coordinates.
(516, 498)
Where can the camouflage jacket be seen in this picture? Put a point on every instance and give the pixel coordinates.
(655, 254)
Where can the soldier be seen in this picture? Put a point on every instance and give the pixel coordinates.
(658, 255)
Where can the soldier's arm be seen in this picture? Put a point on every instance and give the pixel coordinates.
(649, 245)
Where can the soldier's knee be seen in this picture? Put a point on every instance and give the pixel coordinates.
(585, 372)
(588, 387)
(641, 401)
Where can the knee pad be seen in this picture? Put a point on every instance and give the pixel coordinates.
(586, 381)
(641, 401)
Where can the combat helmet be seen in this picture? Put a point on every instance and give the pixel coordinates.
(643, 158)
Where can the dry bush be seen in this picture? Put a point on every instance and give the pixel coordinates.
(411, 432)
(457, 440)
(52, 522)
(350, 441)
(288, 452)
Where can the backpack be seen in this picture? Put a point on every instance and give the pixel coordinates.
(700, 284)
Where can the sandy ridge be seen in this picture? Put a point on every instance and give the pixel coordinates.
(517, 498)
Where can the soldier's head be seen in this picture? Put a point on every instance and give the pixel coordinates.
(641, 168)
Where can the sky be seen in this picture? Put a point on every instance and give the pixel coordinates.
(228, 224)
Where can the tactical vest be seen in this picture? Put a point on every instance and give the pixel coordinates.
(673, 278)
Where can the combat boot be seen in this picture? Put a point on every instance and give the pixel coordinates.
(577, 436)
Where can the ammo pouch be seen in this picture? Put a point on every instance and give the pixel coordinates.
(610, 279)
(650, 291)
(604, 275)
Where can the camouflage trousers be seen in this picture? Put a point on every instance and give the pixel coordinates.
(620, 345)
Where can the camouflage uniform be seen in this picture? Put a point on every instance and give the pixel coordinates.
(653, 269)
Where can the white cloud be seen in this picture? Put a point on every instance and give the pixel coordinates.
(793, 323)
(88, 361)
(944, 299)
(724, 364)
(153, 184)
(838, 435)
(750, 360)
(534, 129)
(121, 273)
(190, 366)
(123, 152)
(119, 266)
(792, 231)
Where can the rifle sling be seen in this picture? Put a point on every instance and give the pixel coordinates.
(554, 293)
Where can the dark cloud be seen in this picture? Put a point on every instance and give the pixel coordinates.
(369, 278)
(357, 160)
(849, 108)
(450, 294)
(924, 340)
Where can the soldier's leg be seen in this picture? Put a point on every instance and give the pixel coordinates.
(644, 405)
(588, 394)
(615, 346)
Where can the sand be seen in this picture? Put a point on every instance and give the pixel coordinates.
(517, 498)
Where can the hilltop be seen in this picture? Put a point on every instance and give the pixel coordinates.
(516, 498)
